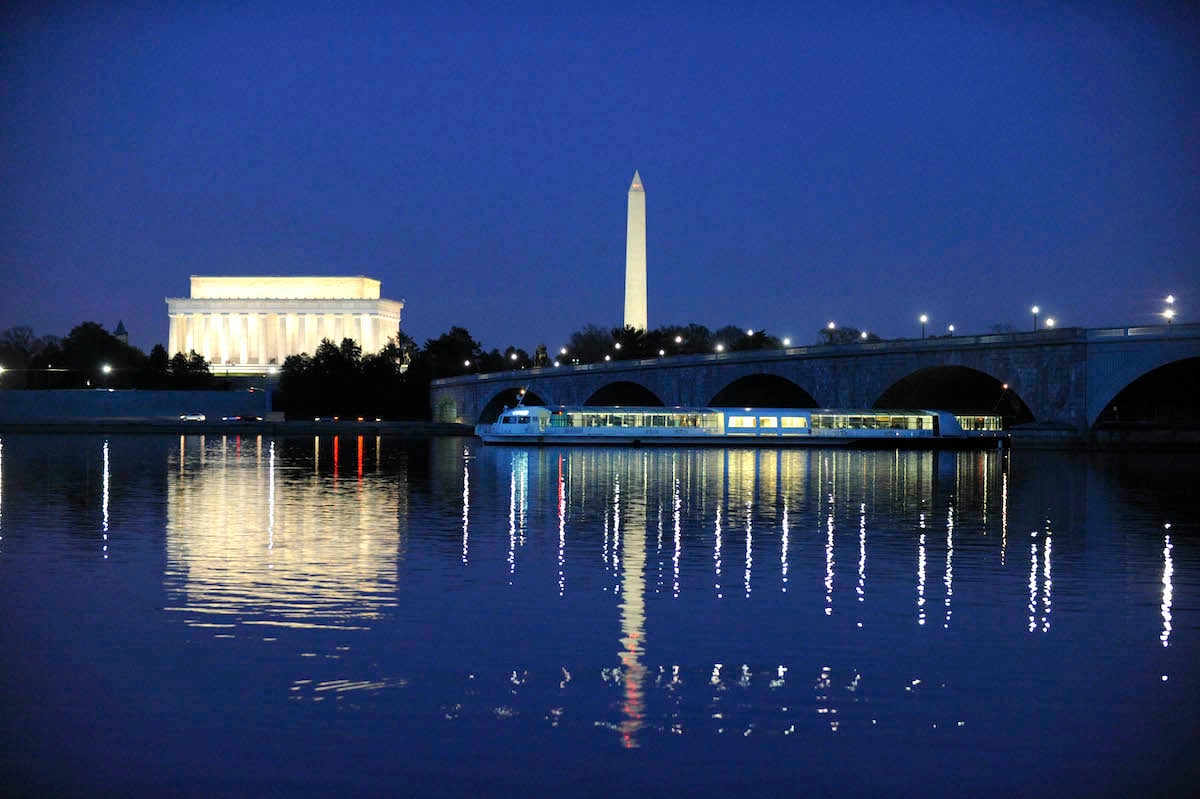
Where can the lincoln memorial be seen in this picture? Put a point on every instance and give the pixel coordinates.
(249, 324)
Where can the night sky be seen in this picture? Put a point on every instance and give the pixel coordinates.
(803, 162)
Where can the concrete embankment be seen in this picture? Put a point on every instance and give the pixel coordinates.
(1127, 437)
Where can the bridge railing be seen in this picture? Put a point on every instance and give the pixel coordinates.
(1100, 333)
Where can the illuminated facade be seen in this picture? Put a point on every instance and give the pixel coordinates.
(248, 324)
(635, 256)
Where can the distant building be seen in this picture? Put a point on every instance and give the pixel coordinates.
(249, 324)
(121, 334)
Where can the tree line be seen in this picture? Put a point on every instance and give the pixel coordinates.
(339, 379)
(91, 357)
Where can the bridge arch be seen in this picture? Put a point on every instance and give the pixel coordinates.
(956, 388)
(508, 397)
(624, 392)
(763, 390)
(1168, 394)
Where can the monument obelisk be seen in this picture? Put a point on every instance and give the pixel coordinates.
(635, 256)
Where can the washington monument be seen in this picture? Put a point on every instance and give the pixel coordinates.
(635, 256)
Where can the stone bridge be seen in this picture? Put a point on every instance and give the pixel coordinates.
(1059, 379)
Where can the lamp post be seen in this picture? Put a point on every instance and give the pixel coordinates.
(950, 330)
(787, 342)
(1034, 310)
(1049, 321)
(863, 335)
(924, 319)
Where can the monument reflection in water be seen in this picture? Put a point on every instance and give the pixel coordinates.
(842, 618)
(747, 510)
(251, 541)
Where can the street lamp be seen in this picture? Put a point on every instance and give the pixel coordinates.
(950, 329)
(1034, 310)
(787, 342)
(720, 348)
(106, 369)
(831, 326)
(863, 335)
(750, 332)
(679, 339)
(562, 351)
(662, 353)
(467, 364)
(924, 319)
(617, 345)
(1049, 321)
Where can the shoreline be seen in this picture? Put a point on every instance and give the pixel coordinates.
(1027, 440)
(403, 428)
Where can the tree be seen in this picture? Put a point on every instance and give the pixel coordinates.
(628, 342)
(843, 335)
(155, 373)
(452, 353)
(19, 339)
(17, 346)
(188, 371)
(516, 358)
(590, 344)
(692, 339)
(88, 348)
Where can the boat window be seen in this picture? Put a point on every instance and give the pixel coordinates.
(794, 421)
(980, 422)
(506, 420)
(768, 421)
(741, 421)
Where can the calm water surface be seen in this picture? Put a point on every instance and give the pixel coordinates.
(355, 616)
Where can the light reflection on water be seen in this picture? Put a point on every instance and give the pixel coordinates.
(252, 543)
(638, 595)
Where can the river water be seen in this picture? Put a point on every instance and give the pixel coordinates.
(360, 616)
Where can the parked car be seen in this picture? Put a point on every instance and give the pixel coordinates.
(192, 417)
(242, 417)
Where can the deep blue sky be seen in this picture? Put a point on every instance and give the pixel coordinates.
(803, 161)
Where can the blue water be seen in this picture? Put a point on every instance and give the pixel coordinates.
(248, 616)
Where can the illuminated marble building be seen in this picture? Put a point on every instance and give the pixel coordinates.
(248, 324)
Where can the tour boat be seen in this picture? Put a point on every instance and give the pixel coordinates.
(539, 425)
